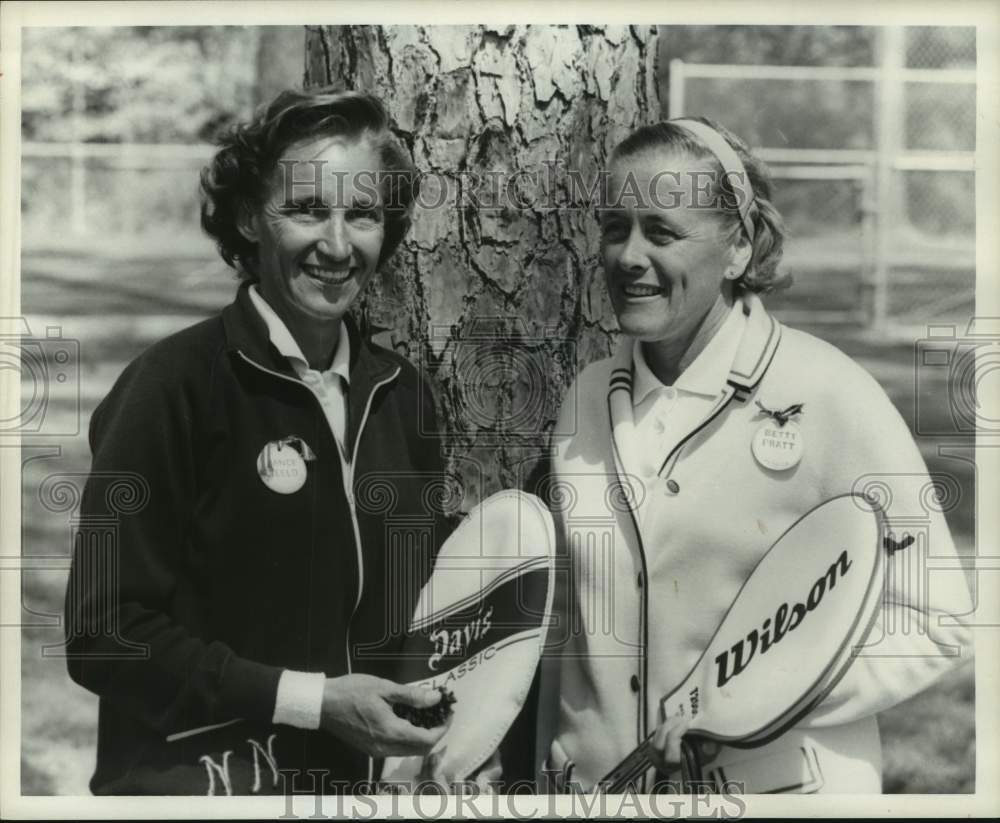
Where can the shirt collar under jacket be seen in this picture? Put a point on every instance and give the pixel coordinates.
(283, 341)
(707, 374)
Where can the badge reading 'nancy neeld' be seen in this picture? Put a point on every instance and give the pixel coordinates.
(281, 467)
(778, 447)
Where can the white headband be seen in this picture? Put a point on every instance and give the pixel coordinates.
(731, 164)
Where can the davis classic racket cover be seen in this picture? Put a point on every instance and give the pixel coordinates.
(479, 628)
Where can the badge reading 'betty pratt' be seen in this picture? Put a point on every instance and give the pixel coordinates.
(281, 467)
(778, 447)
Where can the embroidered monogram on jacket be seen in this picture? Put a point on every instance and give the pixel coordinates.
(215, 771)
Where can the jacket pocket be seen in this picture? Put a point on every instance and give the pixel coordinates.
(795, 770)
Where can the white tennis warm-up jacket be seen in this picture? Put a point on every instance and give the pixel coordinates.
(652, 571)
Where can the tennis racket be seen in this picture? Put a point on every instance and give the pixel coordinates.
(789, 636)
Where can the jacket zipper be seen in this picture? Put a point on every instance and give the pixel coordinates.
(347, 471)
(349, 489)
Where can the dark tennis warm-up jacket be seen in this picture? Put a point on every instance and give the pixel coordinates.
(212, 583)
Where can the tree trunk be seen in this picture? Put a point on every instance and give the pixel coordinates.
(500, 306)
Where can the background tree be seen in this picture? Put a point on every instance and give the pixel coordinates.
(143, 84)
(278, 60)
(502, 305)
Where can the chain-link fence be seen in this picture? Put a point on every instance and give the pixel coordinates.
(874, 171)
(932, 270)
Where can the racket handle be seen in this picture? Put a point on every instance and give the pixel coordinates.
(630, 771)
(692, 775)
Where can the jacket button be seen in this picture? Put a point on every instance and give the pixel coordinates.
(673, 486)
(634, 683)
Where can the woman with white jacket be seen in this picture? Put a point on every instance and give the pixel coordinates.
(666, 498)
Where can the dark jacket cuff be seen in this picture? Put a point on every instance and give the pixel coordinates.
(250, 689)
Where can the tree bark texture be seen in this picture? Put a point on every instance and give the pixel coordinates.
(500, 306)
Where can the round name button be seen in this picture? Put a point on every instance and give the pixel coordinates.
(281, 468)
(778, 447)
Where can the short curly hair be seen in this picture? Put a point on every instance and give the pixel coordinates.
(239, 176)
(761, 274)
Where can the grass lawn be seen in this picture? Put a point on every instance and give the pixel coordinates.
(929, 742)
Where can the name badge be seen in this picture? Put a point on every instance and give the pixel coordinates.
(778, 447)
(282, 467)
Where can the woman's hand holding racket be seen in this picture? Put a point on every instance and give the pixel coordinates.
(789, 636)
(359, 709)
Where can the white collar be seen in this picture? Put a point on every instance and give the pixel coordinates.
(283, 341)
(707, 374)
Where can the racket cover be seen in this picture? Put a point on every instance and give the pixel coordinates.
(479, 628)
(789, 636)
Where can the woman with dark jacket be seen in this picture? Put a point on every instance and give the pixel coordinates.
(240, 628)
